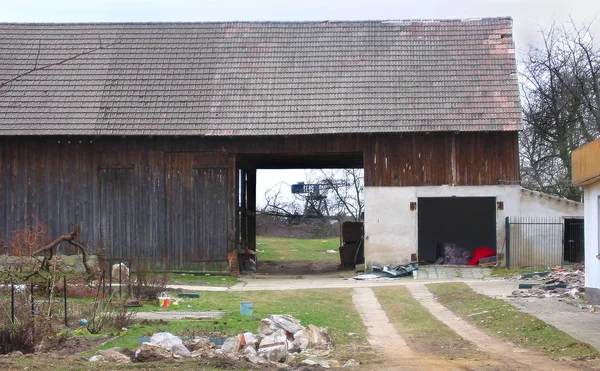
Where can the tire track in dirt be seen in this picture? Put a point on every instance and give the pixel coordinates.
(497, 348)
(383, 337)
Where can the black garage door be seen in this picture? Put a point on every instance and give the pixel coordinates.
(469, 222)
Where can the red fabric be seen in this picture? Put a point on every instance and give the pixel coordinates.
(480, 253)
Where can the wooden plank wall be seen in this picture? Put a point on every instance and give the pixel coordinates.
(172, 200)
(419, 159)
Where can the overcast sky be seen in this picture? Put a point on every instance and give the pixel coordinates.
(528, 16)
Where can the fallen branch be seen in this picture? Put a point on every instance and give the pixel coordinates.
(48, 250)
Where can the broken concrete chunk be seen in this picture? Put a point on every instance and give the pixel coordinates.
(156, 348)
(301, 341)
(200, 343)
(97, 358)
(351, 363)
(267, 327)
(114, 355)
(310, 362)
(231, 345)
(274, 347)
(165, 340)
(251, 355)
(151, 353)
(248, 338)
(120, 269)
(287, 322)
(180, 351)
(319, 337)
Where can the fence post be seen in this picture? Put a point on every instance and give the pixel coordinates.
(65, 298)
(12, 301)
(129, 280)
(507, 238)
(120, 280)
(109, 279)
(32, 301)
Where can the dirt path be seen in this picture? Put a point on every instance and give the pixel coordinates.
(497, 348)
(384, 338)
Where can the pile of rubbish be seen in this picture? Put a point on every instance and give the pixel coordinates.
(388, 272)
(281, 341)
(557, 283)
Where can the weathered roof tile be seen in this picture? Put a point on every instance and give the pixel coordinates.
(265, 78)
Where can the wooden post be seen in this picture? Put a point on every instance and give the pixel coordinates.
(232, 201)
(65, 298)
(243, 209)
(12, 301)
(252, 209)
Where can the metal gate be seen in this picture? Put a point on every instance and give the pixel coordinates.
(534, 241)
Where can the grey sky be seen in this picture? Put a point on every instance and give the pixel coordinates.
(528, 17)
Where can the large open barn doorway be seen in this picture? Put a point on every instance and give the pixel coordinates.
(290, 223)
(467, 223)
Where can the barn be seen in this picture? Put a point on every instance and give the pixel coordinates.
(148, 136)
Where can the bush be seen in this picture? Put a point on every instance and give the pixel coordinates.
(29, 331)
(148, 285)
(109, 313)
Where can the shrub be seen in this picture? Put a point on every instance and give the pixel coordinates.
(29, 331)
(148, 285)
(109, 313)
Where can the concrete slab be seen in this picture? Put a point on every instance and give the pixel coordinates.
(564, 314)
(180, 315)
(196, 288)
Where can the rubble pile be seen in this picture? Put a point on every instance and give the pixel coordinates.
(558, 283)
(281, 340)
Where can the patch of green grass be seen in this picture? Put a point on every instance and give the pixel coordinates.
(499, 318)
(202, 280)
(296, 249)
(420, 328)
(331, 308)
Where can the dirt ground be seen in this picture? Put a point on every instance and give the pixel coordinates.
(292, 269)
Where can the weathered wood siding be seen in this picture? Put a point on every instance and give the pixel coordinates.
(586, 164)
(172, 200)
(421, 159)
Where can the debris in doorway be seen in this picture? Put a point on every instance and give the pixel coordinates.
(481, 253)
(455, 255)
(397, 271)
(566, 283)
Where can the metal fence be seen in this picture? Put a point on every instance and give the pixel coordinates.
(534, 241)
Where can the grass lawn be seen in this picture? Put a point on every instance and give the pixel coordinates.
(422, 331)
(499, 318)
(296, 249)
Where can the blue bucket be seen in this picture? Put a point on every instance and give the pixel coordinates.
(246, 308)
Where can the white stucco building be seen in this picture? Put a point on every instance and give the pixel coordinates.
(471, 216)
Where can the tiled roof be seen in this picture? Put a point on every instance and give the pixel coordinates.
(265, 78)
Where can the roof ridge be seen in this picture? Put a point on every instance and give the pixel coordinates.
(383, 21)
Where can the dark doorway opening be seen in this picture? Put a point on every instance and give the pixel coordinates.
(573, 241)
(468, 222)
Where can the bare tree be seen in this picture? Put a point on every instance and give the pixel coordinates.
(347, 191)
(561, 107)
(339, 192)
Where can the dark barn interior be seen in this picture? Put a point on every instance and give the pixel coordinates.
(468, 222)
